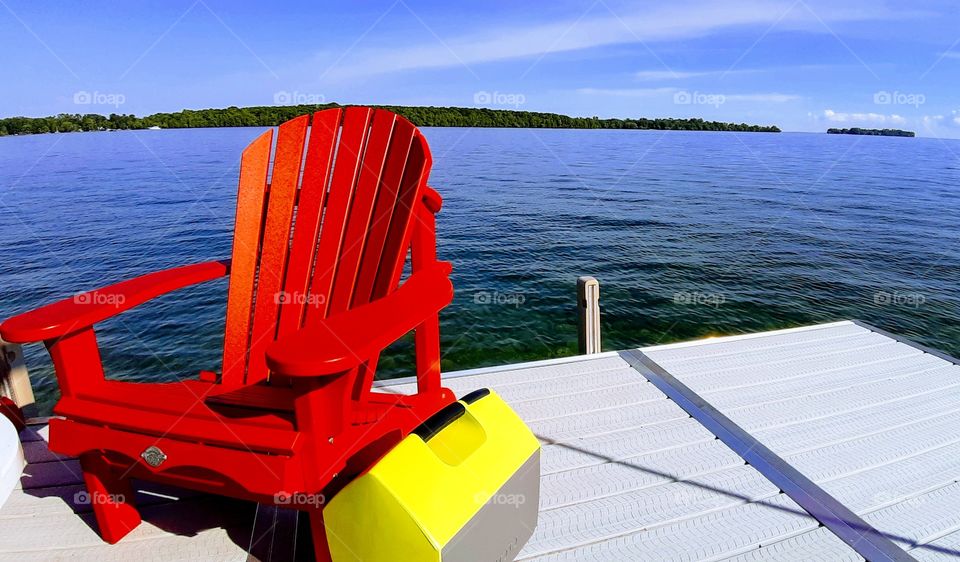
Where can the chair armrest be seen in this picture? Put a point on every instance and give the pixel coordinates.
(344, 341)
(432, 199)
(86, 309)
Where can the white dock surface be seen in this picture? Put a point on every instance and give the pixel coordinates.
(626, 473)
(873, 421)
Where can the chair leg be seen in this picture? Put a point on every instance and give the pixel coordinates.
(319, 534)
(110, 496)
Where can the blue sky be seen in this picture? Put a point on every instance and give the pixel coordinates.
(802, 64)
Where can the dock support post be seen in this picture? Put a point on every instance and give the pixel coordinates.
(588, 315)
(14, 379)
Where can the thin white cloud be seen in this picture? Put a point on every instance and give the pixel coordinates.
(865, 118)
(646, 92)
(672, 74)
(951, 55)
(661, 75)
(597, 28)
(764, 98)
(944, 125)
(627, 92)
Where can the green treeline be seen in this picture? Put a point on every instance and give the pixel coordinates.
(267, 116)
(874, 132)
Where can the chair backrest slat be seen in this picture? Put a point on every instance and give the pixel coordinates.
(276, 242)
(398, 236)
(254, 166)
(305, 248)
(356, 121)
(361, 209)
(383, 210)
(313, 191)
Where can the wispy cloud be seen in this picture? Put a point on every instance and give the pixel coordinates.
(950, 55)
(627, 92)
(673, 74)
(648, 92)
(942, 125)
(597, 28)
(870, 118)
(764, 98)
(670, 75)
(662, 75)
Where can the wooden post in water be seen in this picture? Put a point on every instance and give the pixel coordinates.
(14, 380)
(588, 315)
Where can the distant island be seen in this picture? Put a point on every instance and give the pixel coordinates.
(269, 116)
(874, 132)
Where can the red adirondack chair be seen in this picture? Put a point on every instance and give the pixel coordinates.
(314, 296)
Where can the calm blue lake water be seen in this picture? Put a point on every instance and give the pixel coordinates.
(690, 234)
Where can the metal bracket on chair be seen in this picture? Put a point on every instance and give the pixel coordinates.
(154, 456)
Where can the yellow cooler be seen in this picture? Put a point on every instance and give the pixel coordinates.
(464, 486)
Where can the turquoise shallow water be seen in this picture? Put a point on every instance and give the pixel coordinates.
(689, 233)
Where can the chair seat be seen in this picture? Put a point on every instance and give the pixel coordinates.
(186, 410)
(255, 417)
(261, 397)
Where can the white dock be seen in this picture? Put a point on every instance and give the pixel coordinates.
(854, 415)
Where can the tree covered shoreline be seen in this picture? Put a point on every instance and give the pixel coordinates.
(872, 132)
(268, 116)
